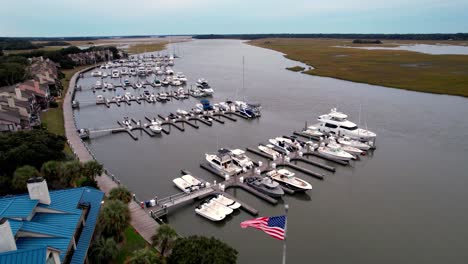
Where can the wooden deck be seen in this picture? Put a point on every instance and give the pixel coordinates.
(141, 221)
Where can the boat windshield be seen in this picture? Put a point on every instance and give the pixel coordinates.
(350, 128)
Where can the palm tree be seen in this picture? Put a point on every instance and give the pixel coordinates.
(145, 256)
(21, 176)
(104, 249)
(71, 171)
(164, 238)
(114, 218)
(92, 168)
(121, 194)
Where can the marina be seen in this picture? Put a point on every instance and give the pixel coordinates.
(359, 191)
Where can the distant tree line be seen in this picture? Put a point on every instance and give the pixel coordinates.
(16, 44)
(436, 36)
(367, 41)
(13, 69)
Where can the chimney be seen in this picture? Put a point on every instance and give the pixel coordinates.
(11, 102)
(18, 92)
(38, 190)
(8, 242)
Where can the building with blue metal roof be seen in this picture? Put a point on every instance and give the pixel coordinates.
(48, 227)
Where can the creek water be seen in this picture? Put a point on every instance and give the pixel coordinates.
(404, 202)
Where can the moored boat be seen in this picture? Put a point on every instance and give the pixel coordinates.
(288, 179)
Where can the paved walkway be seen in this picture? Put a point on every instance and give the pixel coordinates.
(141, 221)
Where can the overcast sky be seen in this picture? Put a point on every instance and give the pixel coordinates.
(153, 17)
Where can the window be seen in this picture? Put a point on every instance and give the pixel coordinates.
(330, 125)
(350, 128)
(216, 162)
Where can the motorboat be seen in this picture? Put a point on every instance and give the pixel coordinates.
(334, 151)
(148, 71)
(268, 149)
(100, 99)
(182, 184)
(182, 112)
(291, 142)
(132, 72)
(218, 206)
(141, 71)
(240, 159)
(128, 96)
(118, 98)
(197, 93)
(207, 91)
(163, 97)
(222, 162)
(347, 141)
(288, 179)
(265, 185)
(351, 150)
(227, 202)
(181, 77)
(115, 74)
(169, 71)
(209, 213)
(313, 131)
(138, 85)
(110, 86)
(194, 182)
(124, 71)
(281, 146)
(126, 82)
(157, 83)
(98, 85)
(337, 123)
(202, 83)
(96, 74)
(105, 74)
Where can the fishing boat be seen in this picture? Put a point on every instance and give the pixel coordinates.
(337, 123)
(192, 180)
(347, 141)
(265, 185)
(100, 99)
(227, 202)
(241, 160)
(209, 213)
(288, 179)
(334, 151)
(268, 149)
(115, 74)
(223, 162)
(182, 184)
(313, 131)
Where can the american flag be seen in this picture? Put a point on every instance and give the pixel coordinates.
(273, 226)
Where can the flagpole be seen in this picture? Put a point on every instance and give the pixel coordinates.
(286, 207)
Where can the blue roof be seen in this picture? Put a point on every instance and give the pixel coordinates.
(18, 207)
(24, 256)
(54, 225)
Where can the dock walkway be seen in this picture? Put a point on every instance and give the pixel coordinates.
(141, 221)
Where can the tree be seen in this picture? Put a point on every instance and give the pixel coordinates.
(145, 256)
(121, 194)
(198, 249)
(114, 218)
(91, 169)
(164, 238)
(21, 176)
(104, 249)
(71, 170)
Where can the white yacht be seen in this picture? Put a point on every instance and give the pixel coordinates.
(191, 180)
(182, 184)
(349, 149)
(104, 74)
(219, 207)
(141, 71)
(240, 159)
(268, 149)
(155, 127)
(169, 71)
(347, 141)
(227, 202)
(222, 162)
(138, 85)
(98, 85)
(182, 112)
(287, 178)
(337, 123)
(100, 99)
(96, 73)
(163, 97)
(209, 213)
(334, 151)
(124, 71)
(115, 74)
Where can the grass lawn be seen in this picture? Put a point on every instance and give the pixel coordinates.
(133, 241)
(443, 74)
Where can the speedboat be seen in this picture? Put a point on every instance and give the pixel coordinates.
(287, 178)
(157, 83)
(349, 149)
(209, 213)
(115, 74)
(169, 71)
(207, 91)
(128, 95)
(227, 202)
(155, 127)
(265, 185)
(96, 73)
(124, 71)
(104, 74)
(240, 159)
(347, 141)
(313, 132)
(100, 99)
(223, 162)
(132, 72)
(194, 182)
(293, 144)
(334, 151)
(269, 150)
(218, 206)
(98, 85)
(182, 184)
(138, 85)
(281, 145)
(110, 86)
(182, 112)
(337, 123)
(163, 97)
